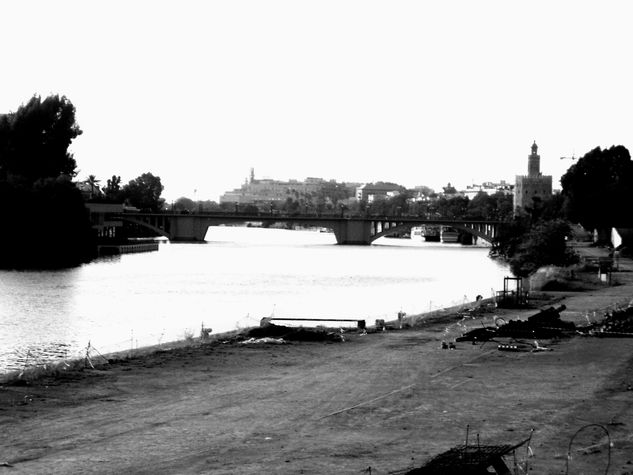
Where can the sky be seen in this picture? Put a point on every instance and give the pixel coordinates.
(199, 92)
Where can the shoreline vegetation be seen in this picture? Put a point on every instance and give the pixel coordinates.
(287, 400)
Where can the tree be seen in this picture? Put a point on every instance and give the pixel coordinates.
(330, 194)
(249, 208)
(481, 207)
(112, 190)
(144, 192)
(598, 187)
(34, 140)
(490, 207)
(509, 237)
(93, 183)
(548, 209)
(54, 205)
(390, 206)
(452, 208)
(545, 244)
(184, 204)
(36, 191)
(208, 206)
(527, 245)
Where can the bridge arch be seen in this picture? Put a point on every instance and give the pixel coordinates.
(398, 228)
(485, 232)
(153, 227)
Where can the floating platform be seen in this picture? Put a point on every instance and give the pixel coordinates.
(116, 249)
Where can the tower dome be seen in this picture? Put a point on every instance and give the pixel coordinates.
(534, 148)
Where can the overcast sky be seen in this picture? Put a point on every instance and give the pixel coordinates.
(419, 93)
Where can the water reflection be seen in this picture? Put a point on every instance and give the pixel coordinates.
(238, 277)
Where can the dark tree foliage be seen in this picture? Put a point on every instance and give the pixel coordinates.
(112, 191)
(45, 221)
(389, 184)
(598, 189)
(34, 140)
(298, 202)
(390, 206)
(452, 208)
(144, 192)
(544, 244)
(208, 206)
(509, 237)
(331, 193)
(46, 225)
(184, 204)
(490, 207)
(249, 209)
(548, 209)
(527, 244)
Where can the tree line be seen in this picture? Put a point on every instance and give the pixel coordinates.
(143, 192)
(45, 223)
(597, 193)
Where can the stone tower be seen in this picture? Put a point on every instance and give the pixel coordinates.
(534, 162)
(534, 186)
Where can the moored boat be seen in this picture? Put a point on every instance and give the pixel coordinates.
(449, 234)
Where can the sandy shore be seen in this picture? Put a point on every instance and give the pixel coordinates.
(386, 400)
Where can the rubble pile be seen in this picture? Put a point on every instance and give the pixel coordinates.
(545, 324)
(295, 333)
(616, 323)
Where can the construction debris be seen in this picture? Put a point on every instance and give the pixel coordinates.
(469, 460)
(295, 333)
(545, 324)
(618, 324)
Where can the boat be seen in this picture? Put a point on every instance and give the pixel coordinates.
(449, 234)
(431, 233)
(417, 232)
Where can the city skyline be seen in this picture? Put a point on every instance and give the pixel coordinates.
(415, 94)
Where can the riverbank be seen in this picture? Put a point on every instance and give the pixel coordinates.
(385, 400)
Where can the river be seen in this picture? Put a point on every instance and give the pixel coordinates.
(233, 280)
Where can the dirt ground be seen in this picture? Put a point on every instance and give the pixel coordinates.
(378, 403)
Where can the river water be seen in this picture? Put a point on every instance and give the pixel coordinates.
(233, 280)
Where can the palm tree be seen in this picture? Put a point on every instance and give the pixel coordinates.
(92, 182)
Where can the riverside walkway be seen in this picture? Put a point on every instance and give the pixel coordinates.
(386, 401)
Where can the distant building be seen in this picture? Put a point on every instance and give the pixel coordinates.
(488, 187)
(449, 191)
(534, 185)
(267, 190)
(370, 192)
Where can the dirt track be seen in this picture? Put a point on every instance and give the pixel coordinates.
(387, 401)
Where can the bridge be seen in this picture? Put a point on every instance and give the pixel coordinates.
(358, 230)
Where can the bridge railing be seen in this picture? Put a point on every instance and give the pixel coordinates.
(406, 218)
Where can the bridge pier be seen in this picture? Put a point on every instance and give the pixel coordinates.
(353, 232)
(188, 229)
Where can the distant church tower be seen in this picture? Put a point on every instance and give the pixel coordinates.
(534, 185)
